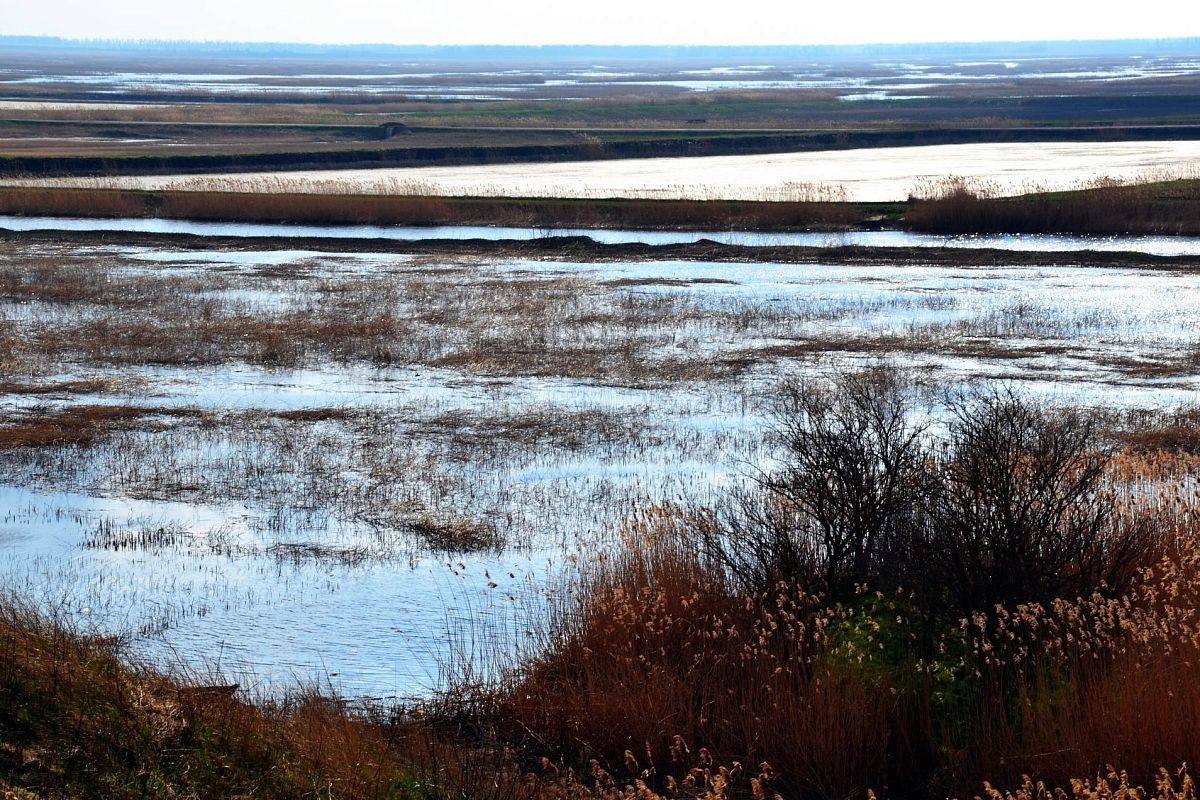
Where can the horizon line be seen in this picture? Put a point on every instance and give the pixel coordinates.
(72, 40)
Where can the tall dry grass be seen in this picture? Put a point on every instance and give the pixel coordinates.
(1154, 203)
(656, 644)
(414, 205)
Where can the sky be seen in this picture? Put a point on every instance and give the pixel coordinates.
(663, 22)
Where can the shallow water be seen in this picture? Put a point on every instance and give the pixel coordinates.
(442, 80)
(1153, 245)
(230, 505)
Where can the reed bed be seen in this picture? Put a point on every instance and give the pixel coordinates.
(1158, 202)
(1164, 202)
(407, 202)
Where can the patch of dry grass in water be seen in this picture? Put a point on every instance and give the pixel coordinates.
(81, 425)
(520, 325)
(84, 386)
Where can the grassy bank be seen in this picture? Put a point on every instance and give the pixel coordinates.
(357, 209)
(952, 206)
(76, 720)
(1106, 207)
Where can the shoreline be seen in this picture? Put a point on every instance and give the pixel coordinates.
(582, 247)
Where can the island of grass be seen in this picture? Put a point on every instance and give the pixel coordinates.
(952, 206)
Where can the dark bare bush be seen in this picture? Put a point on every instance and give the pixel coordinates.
(1011, 504)
(850, 479)
(1017, 509)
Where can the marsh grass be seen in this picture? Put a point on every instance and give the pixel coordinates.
(1166, 203)
(350, 485)
(398, 202)
(512, 325)
(82, 425)
(76, 311)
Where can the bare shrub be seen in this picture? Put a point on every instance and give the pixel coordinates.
(1009, 504)
(1016, 510)
(850, 475)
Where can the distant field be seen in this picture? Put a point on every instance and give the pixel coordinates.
(83, 109)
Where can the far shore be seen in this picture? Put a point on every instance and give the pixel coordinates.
(1156, 204)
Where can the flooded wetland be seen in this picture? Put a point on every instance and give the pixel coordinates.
(346, 468)
(404, 422)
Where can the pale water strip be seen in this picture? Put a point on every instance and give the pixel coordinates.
(864, 175)
(1151, 245)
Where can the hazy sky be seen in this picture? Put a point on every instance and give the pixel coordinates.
(601, 21)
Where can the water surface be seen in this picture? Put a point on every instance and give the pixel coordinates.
(1152, 245)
